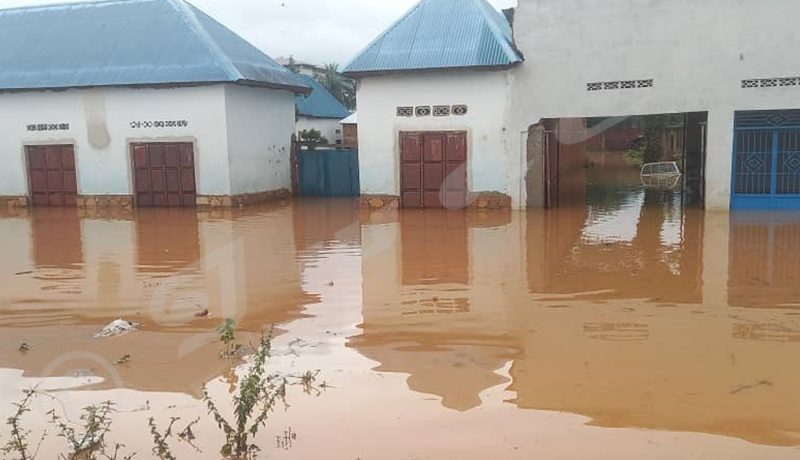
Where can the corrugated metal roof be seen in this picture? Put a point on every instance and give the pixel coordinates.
(320, 103)
(127, 42)
(440, 34)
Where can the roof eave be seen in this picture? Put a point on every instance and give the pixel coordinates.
(327, 117)
(487, 68)
(296, 89)
(267, 85)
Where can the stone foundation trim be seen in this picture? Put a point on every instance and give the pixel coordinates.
(105, 201)
(245, 199)
(489, 200)
(475, 200)
(13, 202)
(376, 202)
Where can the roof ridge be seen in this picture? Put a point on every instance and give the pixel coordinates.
(510, 50)
(397, 22)
(197, 11)
(194, 24)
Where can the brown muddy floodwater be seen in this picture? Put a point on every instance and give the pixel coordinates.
(626, 329)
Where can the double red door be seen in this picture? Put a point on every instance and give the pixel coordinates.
(164, 174)
(51, 174)
(433, 171)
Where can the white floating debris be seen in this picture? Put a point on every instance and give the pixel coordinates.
(117, 327)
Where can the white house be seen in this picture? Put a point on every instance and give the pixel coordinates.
(139, 102)
(710, 60)
(320, 110)
(432, 101)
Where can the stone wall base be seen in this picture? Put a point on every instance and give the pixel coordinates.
(107, 213)
(476, 200)
(125, 202)
(489, 200)
(246, 199)
(10, 203)
(376, 202)
(92, 202)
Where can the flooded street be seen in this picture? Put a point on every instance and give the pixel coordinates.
(629, 328)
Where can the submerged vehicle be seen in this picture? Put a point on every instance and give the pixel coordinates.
(662, 175)
(667, 168)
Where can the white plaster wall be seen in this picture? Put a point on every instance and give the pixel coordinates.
(697, 52)
(100, 127)
(327, 126)
(486, 94)
(260, 125)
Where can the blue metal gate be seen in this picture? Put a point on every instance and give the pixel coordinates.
(766, 160)
(329, 173)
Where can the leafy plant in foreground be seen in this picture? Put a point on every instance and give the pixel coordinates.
(227, 336)
(88, 441)
(160, 447)
(257, 396)
(18, 444)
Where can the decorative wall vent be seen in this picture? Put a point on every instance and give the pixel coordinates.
(616, 85)
(770, 82)
(423, 110)
(436, 111)
(459, 110)
(441, 110)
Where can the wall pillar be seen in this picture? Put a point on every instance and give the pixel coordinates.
(719, 157)
(534, 175)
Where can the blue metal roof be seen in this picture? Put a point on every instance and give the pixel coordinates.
(320, 103)
(127, 42)
(440, 34)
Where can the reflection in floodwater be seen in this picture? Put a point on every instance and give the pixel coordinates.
(630, 311)
(625, 243)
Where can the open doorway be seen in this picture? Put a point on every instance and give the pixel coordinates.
(593, 161)
(631, 186)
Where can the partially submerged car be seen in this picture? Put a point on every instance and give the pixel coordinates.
(662, 175)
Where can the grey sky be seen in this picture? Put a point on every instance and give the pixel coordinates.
(312, 30)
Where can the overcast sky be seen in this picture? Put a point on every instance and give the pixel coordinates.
(317, 31)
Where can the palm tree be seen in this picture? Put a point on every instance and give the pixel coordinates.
(343, 89)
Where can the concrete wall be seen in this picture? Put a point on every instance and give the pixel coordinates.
(260, 124)
(697, 54)
(327, 126)
(254, 125)
(102, 124)
(486, 95)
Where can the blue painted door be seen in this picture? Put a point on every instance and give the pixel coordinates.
(329, 173)
(766, 160)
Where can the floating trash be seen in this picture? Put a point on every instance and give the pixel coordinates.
(117, 327)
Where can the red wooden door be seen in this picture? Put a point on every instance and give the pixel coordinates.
(164, 174)
(433, 170)
(51, 174)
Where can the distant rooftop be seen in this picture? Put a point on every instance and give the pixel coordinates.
(351, 120)
(440, 34)
(285, 61)
(320, 103)
(128, 43)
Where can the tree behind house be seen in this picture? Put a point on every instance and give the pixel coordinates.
(342, 88)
